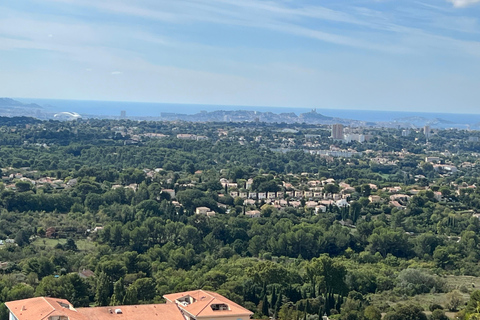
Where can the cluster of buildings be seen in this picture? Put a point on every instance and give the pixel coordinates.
(190, 305)
(339, 132)
(188, 136)
(48, 182)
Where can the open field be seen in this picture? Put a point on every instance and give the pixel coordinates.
(82, 244)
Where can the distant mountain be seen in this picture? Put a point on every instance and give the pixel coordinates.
(442, 121)
(314, 116)
(7, 102)
(422, 121)
(13, 108)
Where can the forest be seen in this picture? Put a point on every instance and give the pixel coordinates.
(105, 212)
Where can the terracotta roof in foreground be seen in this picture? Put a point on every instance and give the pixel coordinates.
(42, 308)
(202, 306)
(135, 312)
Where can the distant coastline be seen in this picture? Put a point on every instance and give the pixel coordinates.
(155, 110)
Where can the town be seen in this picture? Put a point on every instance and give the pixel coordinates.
(127, 212)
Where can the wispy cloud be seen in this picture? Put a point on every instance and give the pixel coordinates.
(463, 3)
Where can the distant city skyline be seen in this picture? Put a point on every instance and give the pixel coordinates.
(411, 55)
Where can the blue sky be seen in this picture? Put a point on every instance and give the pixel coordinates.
(355, 54)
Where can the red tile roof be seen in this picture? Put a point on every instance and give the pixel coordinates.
(135, 312)
(202, 305)
(42, 308)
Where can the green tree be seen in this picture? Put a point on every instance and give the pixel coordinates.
(103, 289)
(372, 313)
(407, 312)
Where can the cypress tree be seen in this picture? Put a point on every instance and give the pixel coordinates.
(339, 303)
(326, 307)
(278, 305)
(321, 311)
(264, 289)
(265, 306)
(273, 301)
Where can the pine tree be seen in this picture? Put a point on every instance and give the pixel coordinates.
(103, 290)
(118, 293)
(131, 296)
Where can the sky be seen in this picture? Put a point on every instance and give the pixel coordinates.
(410, 55)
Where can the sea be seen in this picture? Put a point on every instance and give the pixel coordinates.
(144, 109)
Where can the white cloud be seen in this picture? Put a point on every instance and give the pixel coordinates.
(116, 73)
(463, 3)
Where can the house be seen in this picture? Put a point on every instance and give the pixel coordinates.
(396, 204)
(86, 273)
(243, 194)
(374, 199)
(320, 208)
(399, 197)
(342, 203)
(248, 184)
(281, 203)
(204, 211)
(171, 192)
(298, 194)
(432, 159)
(445, 168)
(336, 196)
(295, 204)
(186, 136)
(262, 195)
(253, 214)
(43, 308)
(51, 232)
(206, 305)
(271, 195)
(311, 204)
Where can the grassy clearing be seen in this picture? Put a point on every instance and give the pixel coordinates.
(82, 244)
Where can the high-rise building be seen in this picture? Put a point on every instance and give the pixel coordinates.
(427, 131)
(123, 114)
(337, 131)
